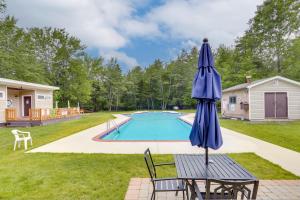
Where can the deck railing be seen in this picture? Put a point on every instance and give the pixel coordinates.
(10, 114)
(41, 114)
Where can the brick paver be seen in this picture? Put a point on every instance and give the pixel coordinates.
(141, 189)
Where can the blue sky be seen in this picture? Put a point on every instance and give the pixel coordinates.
(146, 51)
(137, 32)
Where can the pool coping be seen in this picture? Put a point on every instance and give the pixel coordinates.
(99, 137)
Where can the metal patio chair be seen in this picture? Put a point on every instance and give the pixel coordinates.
(221, 189)
(163, 184)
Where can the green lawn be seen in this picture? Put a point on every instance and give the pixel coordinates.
(86, 176)
(285, 134)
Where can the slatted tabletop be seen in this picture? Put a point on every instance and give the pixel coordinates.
(192, 167)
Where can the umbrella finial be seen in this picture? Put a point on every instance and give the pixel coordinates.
(205, 40)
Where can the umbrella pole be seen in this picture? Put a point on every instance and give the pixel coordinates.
(206, 156)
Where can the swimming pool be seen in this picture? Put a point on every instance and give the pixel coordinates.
(152, 126)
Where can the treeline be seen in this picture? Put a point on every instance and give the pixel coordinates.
(159, 86)
(269, 47)
(52, 56)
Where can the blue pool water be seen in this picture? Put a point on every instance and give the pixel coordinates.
(152, 126)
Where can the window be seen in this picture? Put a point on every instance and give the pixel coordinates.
(41, 97)
(232, 100)
(2, 95)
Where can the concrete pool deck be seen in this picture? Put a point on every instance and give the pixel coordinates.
(234, 142)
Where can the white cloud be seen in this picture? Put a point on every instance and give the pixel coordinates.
(109, 25)
(219, 20)
(121, 56)
(97, 23)
(93, 22)
(140, 28)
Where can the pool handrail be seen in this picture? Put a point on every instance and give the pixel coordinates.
(114, 124)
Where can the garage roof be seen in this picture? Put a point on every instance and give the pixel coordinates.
(258, 82)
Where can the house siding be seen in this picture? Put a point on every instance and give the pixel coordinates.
(257, 102)
(15, 91)
(44, 103)
(241, 96)
(3, 104)
(16, 96)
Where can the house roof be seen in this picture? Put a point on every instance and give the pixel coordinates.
(258, 82)
(25, 85)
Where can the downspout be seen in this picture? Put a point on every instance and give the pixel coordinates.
(34, 98)
(249, 102)
(6, 99)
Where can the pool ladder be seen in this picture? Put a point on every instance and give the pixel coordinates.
(114, 123)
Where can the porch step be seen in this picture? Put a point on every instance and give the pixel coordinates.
(19, 124)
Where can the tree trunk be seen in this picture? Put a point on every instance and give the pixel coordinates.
(110, 99)
(152, 104)
(117, 103)
(147, 104)
(162, 94)
(278, 63)
(135, 102)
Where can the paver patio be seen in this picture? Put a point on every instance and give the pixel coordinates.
(141, 189)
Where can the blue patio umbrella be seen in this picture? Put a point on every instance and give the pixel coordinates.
(206, 89)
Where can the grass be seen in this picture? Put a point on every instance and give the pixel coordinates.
(86, 176)
(187, 111)
(49, 133)
(285, 134)
(261, 168)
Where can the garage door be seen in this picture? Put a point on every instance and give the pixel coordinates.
(276, 105)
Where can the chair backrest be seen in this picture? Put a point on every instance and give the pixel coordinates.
(231, 189)
(149, 163)
(15, 133)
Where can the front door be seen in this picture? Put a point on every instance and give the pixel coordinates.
(27, 105)
(276, 105)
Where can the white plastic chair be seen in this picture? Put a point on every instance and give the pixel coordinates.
(20, 136)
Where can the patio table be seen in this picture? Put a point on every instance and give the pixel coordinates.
(192, 167)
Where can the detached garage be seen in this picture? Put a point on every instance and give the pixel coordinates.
(275, 98)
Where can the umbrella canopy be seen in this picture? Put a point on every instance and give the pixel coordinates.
(207, 81)
(207, 88)
(206, 131)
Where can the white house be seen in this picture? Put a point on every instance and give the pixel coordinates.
(275, 98)
(18, 98)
